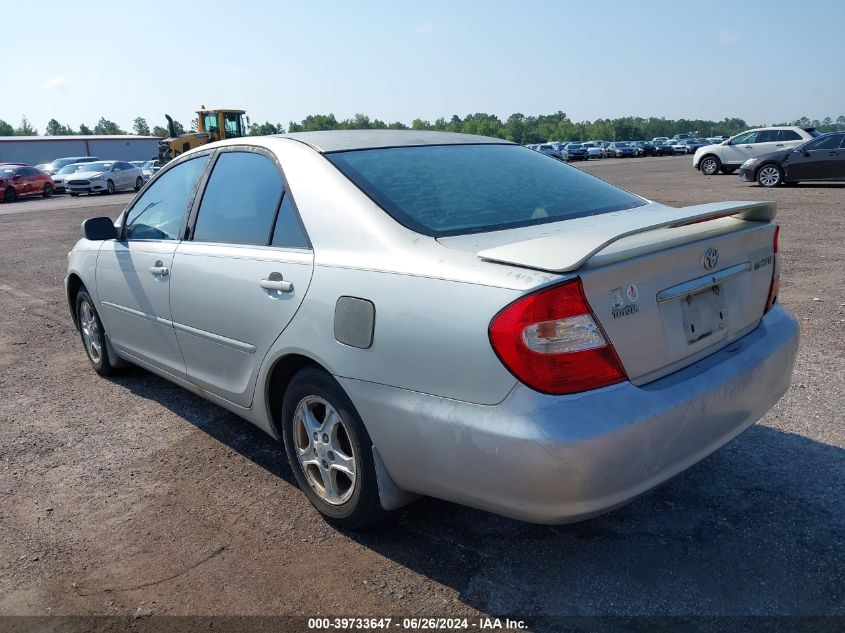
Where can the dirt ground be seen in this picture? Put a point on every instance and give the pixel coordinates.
(132, 496)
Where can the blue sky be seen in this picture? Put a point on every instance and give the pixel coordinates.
(765, 61)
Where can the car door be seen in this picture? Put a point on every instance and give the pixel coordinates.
(134, 271)
(766, 142)
(816, 160)
(241, 277)
(739, 149)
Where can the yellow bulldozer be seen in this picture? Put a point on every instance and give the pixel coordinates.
(212, 125)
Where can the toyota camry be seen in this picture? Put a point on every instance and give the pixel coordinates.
(423, 313)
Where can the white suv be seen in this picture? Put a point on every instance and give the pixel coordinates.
(729, 155)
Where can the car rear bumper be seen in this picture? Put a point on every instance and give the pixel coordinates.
(559, 459)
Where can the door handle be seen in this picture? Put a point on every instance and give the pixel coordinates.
(277, 284)
(159, 270)
(779, 145)
(749, 147)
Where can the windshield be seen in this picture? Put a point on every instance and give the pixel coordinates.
(7, 171)
(459, 189)
(149, 164)
(622, 145)
(97, 166)
(574, 145)
(71, 169)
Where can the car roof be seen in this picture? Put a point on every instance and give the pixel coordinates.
(348, 140)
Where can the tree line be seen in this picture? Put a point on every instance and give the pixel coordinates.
(518, 127)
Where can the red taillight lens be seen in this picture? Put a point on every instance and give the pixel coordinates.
(551, 341)
(774, 287)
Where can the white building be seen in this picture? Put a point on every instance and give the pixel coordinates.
(33, 150)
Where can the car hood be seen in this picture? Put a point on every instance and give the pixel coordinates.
(86, 174)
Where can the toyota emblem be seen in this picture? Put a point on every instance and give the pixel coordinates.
(710, 258)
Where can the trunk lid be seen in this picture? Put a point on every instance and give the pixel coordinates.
(669, 286)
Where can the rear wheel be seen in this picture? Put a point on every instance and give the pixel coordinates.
(139, 182)
(110, 187)
(10, 194)
(48, 190)
(769, 175)
(93, 334)
(329, 450)
(710, 165)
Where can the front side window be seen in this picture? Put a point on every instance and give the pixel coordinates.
(459, 189)
(240, 200)
(747, 138)
(158, 213)
(209, 121)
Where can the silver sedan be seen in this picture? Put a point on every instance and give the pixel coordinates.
(422, 313)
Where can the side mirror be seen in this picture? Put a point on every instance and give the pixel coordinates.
(98, 229)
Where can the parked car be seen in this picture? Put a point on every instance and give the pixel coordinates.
(692, 144)
(681, 137)
(644, 148)
(57, 164)
(467, 353)
(823, 158)
(105, 177)
(595, 149)
(61, 176)
(550, 150)
(678, 146)
(574, 151)
(151, 167)
(17, 181)
(660, 138)
(662, 148)
(729, 155)
(621, 149)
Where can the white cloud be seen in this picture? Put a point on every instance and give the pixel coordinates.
(55, 83)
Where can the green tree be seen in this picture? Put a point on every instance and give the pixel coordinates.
(6, 129)
(85, 130)
(840, 120)
(265, 128)
(160, 131)
(54, 128)
(140, 127)
(106, 127)
(25, 128)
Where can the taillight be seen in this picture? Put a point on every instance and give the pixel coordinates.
(551, 341)
(774, 286)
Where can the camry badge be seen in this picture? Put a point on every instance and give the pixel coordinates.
(710, 258)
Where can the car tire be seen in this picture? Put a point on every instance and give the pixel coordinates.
(728, 170)
(710, 165)
(93, 335)
(139, 182)
(48, 190)
(769, 175)
(322, 462)
(10, 195)
(109, 187)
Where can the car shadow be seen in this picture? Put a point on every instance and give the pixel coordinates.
(756, 529)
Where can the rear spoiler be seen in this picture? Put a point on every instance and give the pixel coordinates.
(584, 237)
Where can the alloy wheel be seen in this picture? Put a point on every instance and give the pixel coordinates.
(90, 332)
(709, 166)
(769, 176)
(324, 450)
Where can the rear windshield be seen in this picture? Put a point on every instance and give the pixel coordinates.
(459, 189)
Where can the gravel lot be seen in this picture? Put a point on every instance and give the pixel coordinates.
(128, 494)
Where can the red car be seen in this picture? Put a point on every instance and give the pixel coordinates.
(23, 180)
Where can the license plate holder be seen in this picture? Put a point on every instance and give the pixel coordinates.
(704, 314)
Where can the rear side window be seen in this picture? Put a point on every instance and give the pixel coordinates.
(240, 201)
(767, 136)
(289, 232)
(458, 189)
(788, 135)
